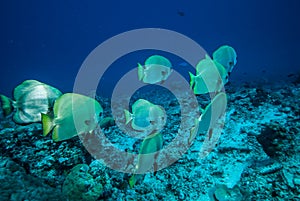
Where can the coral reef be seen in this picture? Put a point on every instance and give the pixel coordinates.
(256, 157)
(80, 185)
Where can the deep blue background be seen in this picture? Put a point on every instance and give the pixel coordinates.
(49, 40)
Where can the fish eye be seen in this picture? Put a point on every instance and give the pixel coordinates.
(163, 73)
(230, 63)
(100, 114)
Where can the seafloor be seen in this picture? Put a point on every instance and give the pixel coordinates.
(256, 158)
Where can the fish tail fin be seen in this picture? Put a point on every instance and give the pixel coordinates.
(55, 135)
(192, 81)
(140, 71)
(6, 105)
(194, 131)
(128, 116)
(132, 181)
(48, 124)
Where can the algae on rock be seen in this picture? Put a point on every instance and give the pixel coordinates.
(80, 185)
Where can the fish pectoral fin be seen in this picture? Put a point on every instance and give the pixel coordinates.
(140, 71)
(132, 181)
(55, 135)
(135, 178)
(128, 116)
(47, 123)
(192, 80)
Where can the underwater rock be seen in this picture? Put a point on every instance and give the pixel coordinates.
(222, 193)
(274, 140)
(233, 173)
(271, 169)
(288, 178)
(107, 122)
(260, 97)
(16, 184)
(80, 185)
(39, 156)
(189, 178)
(291, 176)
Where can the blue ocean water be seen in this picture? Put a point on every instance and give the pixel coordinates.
(254, 155)
(49, 41)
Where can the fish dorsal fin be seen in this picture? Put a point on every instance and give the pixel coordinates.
(62, 102)
(192, 80)
(24, 88)
(128, 116)
(158, 60)
(207, 56)
(140, 103)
